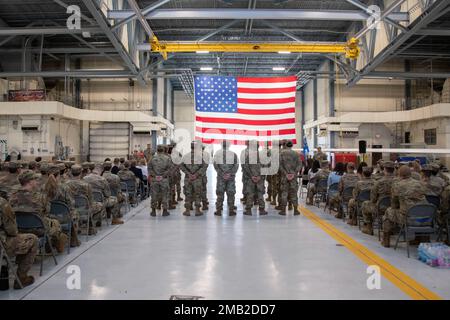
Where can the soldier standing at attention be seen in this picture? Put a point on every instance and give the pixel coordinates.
(290, 166)
(207, 160)
(148, 153)
(158, 171)
(194, 167)
(319, 155)
(366, 183)
(406, 192)
(381, 188)
(267, 154)
(255, 180)
(244, 159)
(226, 164)
(24, 246)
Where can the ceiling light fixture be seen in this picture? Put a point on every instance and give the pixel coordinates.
(284, 52)
(206, 68)
(202, 51)
(278, 68)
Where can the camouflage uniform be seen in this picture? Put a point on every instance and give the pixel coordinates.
(322, 174)
(275, 178)
(290, 166)
(226, 164)
(267, 153)
(9, 183)
(363, 184)
(194, 167)
(126, 174)
(381, 188)
(244, 159)
(205, 201)
(347, 180)
(177, 175)
(320, 156)
(159, 170)
(22, 245)
(148, 154)
(406, 193)
(114, 186)
(100, 184)
(254, 186)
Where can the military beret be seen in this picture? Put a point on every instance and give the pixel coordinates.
(85, 165)
(388, 164)
(427, 167)
(26, 176)
(76, 169)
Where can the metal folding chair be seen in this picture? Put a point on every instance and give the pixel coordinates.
(383, 204)
(419, 220)
(124, 189)
(132, 189)
(321, 192)
(61, 212)
(434, 200)
(347, 194)
(303, 185)
(97, 196)
(28, 222)
(333, 189)
(82, 206)
(9, 264)
(364, 195)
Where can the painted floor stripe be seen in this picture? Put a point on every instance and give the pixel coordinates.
(404, 282)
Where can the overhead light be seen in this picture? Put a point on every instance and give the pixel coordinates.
(278, 68)
(284, 52)
(202, 51)
(206, 68)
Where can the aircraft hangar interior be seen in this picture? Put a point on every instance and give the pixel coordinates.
(224, 150)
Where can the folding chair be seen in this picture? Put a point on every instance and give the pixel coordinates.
(124, 189)
(82, 206)
(419, 220)
(61, 212)
(9, 264)
(347, 194)
(97, 196)
(321, 192)
(28, 222)
(435, 200)
(444, 225)
(364, 195)
(333, 189)
(303, 185)
(383, 204)
(132, 190)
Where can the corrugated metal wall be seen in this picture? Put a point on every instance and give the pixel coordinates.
(108, 140)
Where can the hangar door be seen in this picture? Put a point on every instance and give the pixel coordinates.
(109, 140)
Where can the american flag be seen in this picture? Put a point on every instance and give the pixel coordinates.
(244, 108)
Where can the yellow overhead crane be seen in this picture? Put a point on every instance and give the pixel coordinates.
(350, 49)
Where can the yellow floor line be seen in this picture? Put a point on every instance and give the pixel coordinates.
(404, 282)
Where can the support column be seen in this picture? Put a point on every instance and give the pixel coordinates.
(165, 104)
(302, 120)
(154, 109)
(316, 129)
(408, 87)
(332, 83)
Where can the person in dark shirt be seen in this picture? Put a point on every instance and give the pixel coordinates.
(115, 169)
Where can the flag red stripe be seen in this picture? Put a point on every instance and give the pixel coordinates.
(266, 101)
(266, 90)
(243, 121)
(259, 133)
(234, 142)
(266, 80)
(268, 111)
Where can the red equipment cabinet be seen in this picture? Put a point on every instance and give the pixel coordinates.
(345, 157)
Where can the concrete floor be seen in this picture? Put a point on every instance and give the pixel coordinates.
(271, 257)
